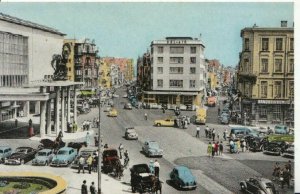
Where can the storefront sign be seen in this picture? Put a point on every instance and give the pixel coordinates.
(273, 102)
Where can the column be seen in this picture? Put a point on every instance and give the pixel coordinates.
(26, 108)
(48, 117)
(63, 116)
(75, 105)
(37, 107)
(42, 118)
(56, 111)
(15, 109)
(68, 104)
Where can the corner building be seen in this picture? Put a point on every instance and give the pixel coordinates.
(266, 74)
(177, 72)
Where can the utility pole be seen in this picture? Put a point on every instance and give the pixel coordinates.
(99, 146)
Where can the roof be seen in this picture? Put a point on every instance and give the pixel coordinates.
(26, 23)
(182, 168)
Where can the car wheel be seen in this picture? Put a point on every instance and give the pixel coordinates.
(158, 124)
(243, 187)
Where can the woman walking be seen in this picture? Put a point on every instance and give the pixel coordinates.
(209, 149)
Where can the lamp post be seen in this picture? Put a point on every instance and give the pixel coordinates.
(99, 132)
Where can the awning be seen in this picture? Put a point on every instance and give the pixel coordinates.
(172, 93)
(273, 102)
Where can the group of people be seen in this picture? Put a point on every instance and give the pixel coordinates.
(86, 125)
(72, 127)
(91, 161)
(182, 121)
(154, 168)
(215, 149)
(211, 133)
(126, 155)
(84, 189)
(284, 173)
(96, 122)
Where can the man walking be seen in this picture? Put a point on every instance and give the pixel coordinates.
(206, 131)
(198, 131)
(156, 168)
(84, 188)
(213, 134)
(89, 162)
(81, 164)
(146, 116)
(121, 148)
(221, 148)
(92, 188)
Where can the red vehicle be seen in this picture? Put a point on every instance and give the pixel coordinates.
(110, 160)
(211, 101)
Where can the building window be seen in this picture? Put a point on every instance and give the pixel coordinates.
(176, 50)
(192, 83)
(160, 83)
(192, 70)
(70, 69)
(292, 44)
(291, 65)
(264, 89)
(160, 59)
(279, 44)
(246, 44)
(176, 83)
(265, 44)
(246, 65)
(176, 70)
(278, 65)
(291, 91)
(160, 70)
(193, 60)
(160, 49)
(193, 50)
(277, 89)
(176, 60)
(264, 66)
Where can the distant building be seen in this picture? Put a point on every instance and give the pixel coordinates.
(105, 74)
(175, 75)
(70, 44)
(266, 74)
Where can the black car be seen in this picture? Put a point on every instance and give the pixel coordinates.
(22, 155)
(141, 178)
(276, 147)
(258, 185)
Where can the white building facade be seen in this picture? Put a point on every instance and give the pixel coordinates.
(177, 71)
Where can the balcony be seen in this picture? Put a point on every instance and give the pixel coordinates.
(247, 76)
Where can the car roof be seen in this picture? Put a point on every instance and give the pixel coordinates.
(45, 150)
(182, 168)
(66, 148)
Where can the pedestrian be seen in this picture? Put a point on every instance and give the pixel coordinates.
(218, 136)
(156, 168)
(238, 143)
(84, 188)
(219, 110)
(225, 135)
(30, 123)
(198, 131)
(206, 131)
(95, 162)
(146, 116)
(126, 159)
(289, 166)
(188, 120)
(243, 145)
(185, 123)
(87, 139)
(217, 148)
(209, 149)
(286, 178)
(213, 134)
(221, 148)
(92, 188)
(98, 123)
(105, 146)
(16, 123)
(89, 162)
(81, 164)
(163, 109)
(121, 148)
(151, 167)
(213, 149)
(96, 139)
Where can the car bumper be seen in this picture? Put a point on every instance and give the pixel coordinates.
(132, 138)
(271, 152)
(39, 163)
(59, 164)
(188, 186)
(288, 155)
(155, 154)
(12, 162)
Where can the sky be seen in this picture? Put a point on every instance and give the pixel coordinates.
(126, 29)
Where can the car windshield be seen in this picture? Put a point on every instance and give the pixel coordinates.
(21, 150)
(130, 130)
(41, 153)
(184, 172)
(1, 151)
(153, 144)
(62, 152)
(141, 169)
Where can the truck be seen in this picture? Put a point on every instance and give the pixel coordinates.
(200, 117)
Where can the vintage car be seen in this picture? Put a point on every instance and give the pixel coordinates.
(128, 106)
(275, 147)
(20, 156)
(110, 157)
(152, 149)
(142, 180)
(183, 178)
(64, 157)
(84, 152)
(168, 122)
(130, 133)
(5, 152)
(281, 129)
(113, 113)
(81, 110)
(43, 157)
(107, 109)
(258, 185)
(289, 152)
(224, 118)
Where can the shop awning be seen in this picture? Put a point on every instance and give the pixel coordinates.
(172, 93)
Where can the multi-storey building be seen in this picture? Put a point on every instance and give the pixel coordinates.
(86, 68)
(176, 72)
(69, 44)
(266, 73)
(129, 75)
(105, 77)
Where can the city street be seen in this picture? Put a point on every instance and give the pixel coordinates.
(214, 175)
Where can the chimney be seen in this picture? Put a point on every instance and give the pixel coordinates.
(283, 24)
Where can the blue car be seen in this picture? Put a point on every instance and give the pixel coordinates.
(5, 152)
(64, 157)
(152, 149)
(183, 178)
(43, 157)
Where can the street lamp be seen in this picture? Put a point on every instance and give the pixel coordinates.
(99, 146)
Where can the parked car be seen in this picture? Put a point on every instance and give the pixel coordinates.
(128, 106)
(258, 185)
(113, 113)
(289, 152)
(281, 129)
(84, 152)
(5, 152)
(43, 157)
(152, 149)
(107, 109)
(168, 122)
(125, 96)
(276, 147)
(64, 157)
(130, 133)
(22, 155)
(81, 110)
(183, 178)
(224, 118)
